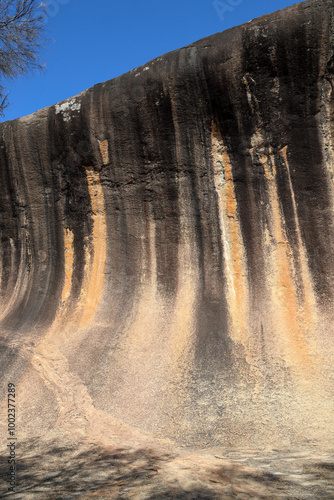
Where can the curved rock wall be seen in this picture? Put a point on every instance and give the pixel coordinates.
(167, 242)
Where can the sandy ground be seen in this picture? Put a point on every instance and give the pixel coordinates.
(64, 467)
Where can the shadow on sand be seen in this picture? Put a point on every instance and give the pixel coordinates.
(49, 470)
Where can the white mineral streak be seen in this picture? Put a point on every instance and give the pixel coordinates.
(67, 107)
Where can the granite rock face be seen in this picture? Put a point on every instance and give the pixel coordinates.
(167, 243)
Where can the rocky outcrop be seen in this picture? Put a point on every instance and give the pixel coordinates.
(167, 242)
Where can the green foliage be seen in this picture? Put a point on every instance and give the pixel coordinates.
(22, 34)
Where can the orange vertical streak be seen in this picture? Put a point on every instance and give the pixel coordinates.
(234, 257)
(69, 258)
(281, 277)
(307, 309)
(95, 256)
(104, 151)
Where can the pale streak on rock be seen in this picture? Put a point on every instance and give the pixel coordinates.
(249, 93)
(95, 257)
(69, 258)
(309, 305)
(22, 279)
(234, 254)
(147, 295)
(182, 328)
(142, 361)
(291, 333)
(143, 316)
(104, 149)
(182, 321)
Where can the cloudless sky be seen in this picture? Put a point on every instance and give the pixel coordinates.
(96, 40)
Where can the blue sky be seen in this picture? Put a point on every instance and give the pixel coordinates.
(94, 41)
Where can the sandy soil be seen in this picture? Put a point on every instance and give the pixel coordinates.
(66, 467)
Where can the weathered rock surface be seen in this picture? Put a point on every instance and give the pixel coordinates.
(167, 244)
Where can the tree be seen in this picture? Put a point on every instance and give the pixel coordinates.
(22, 34)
